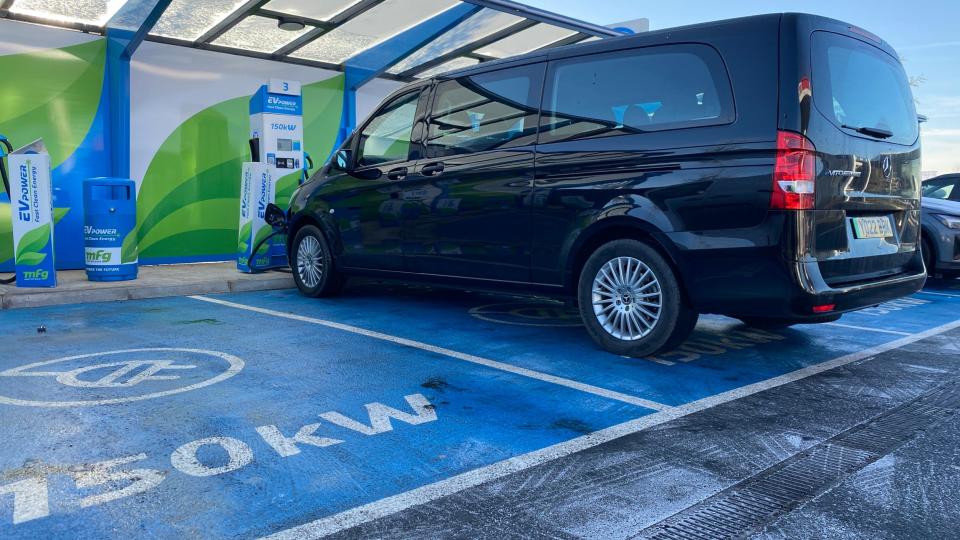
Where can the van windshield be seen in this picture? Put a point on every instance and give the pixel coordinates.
(862, 89)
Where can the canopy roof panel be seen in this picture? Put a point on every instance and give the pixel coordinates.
(329, 33)
(482, 25)
(460, 62)
(188, 19)
(92, 12)
(257, 33)
(531, 39)
(370, 28)
(317, 10)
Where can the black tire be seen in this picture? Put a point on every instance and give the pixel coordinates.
(329, 282)
(675, 318)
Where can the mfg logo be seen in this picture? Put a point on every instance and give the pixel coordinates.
(98, 256)
(36, 275)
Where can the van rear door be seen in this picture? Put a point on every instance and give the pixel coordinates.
(866, 134)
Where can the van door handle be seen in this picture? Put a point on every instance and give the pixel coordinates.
(397, 174)
(432, 169)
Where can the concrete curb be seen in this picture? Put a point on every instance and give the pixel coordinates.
(134, 290)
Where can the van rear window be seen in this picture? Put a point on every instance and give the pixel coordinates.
(861, 87)
(636, 91)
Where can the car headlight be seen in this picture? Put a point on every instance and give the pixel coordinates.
(951, 222)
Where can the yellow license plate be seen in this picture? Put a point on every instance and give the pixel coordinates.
(872, 227)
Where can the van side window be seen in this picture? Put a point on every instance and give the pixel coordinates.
(624, 92)
(487, 111)
(386, 138)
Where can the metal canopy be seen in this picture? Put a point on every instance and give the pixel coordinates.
(423, 37)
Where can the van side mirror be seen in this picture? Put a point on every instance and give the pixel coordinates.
(275, 217)
(341, 160)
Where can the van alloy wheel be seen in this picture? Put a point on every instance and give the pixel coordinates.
(314, 268)
(627, 299)
(310, 261)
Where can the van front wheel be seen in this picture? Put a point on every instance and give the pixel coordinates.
(312, 264)
(630, 300)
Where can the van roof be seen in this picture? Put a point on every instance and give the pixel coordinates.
(699, 31)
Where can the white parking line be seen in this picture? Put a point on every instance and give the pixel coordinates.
(502, 366)
(391, 505)
(868, 329)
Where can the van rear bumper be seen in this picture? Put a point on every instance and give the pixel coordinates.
(759, 282)
(814, 292)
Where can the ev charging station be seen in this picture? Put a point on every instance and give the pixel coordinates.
(276, 146)
(276, 121)
(31, 197)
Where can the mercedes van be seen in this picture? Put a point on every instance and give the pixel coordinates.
(764, 168)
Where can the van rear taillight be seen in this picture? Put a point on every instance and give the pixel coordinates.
(794, 175)
(824, 308)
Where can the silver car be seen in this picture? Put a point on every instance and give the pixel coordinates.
(941, 225)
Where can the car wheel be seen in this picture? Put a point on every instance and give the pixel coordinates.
(929, 260)
(630, 300)
(312, 264)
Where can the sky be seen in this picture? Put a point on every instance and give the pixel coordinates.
(926, 34)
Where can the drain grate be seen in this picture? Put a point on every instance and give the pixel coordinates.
(757, 501)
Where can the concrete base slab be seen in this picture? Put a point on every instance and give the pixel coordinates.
(153, 282)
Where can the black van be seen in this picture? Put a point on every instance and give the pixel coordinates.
(765, 168)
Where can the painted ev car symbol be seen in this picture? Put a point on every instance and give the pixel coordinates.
(117, 376)
(529, 314)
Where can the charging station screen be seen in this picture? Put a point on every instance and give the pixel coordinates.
(284, 145)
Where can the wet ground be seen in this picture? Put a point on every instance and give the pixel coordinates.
(411, 412)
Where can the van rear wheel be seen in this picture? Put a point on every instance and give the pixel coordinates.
(630, 300)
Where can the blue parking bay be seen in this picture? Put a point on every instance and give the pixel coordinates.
(187, 419)
(722, 354)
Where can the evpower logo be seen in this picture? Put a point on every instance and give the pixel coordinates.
(94, 231)
(262, 203)
(281, 102)
(23, 203)
(245, 196)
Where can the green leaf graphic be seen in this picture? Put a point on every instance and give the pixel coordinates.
(128, 251)
(30, 259)
(191, 188)
(57, 101)
(6, 233)
(193, 216)
(34, 241)
(244, 237)
(6, 229)
(285, 188)
(264, 232)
